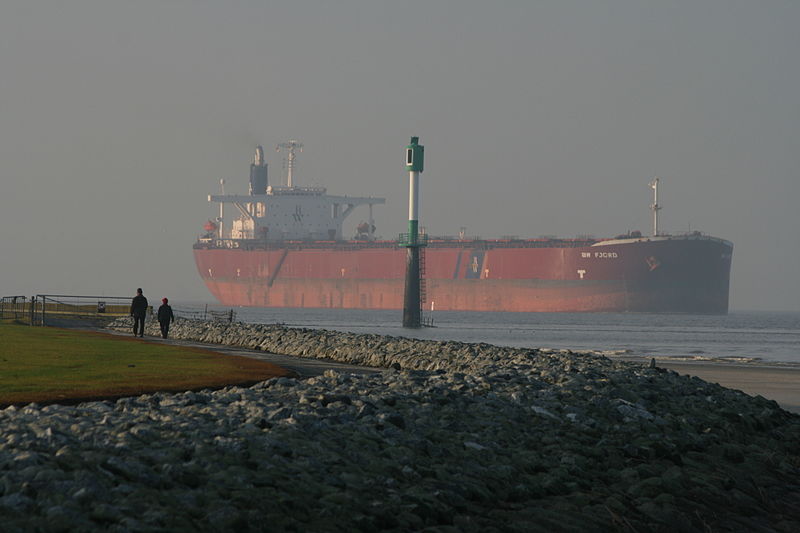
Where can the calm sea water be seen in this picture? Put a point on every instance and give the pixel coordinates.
(766, 337)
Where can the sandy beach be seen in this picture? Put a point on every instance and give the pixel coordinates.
(781, 384)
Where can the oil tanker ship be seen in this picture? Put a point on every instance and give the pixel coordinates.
(285, 248)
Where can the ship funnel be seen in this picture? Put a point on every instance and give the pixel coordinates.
(258, 173)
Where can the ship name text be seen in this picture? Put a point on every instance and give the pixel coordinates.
(600, 255)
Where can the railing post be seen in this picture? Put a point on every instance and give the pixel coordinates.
(33, 306)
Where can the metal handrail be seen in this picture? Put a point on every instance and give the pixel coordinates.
(409, 239)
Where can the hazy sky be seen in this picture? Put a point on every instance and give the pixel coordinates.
(117, 119)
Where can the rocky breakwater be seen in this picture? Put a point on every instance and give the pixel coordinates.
(450, 437)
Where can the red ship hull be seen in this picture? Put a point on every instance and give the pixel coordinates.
(681, 274)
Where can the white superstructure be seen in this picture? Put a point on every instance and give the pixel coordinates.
(291, 212)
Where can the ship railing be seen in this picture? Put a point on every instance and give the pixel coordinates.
(456, 238)
(409, 239)
(277, 190)
(277, 244)
(700, 235)
(404, 240)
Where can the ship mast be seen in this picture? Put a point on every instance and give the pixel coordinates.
(221, 217)
(290, 146)
(654, 207)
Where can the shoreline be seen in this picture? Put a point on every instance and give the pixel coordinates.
(778, 383)
(775, 381)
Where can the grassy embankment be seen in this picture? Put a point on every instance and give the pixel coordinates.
(53, 365)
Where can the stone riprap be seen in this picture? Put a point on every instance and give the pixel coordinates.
(450, 437)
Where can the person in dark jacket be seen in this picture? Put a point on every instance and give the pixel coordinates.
(165, 317)
(138, 312)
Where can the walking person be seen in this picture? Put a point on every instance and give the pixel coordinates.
(165, 317)
(138, 312)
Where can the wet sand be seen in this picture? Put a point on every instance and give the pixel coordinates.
(775, 383)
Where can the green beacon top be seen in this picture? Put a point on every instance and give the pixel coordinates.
(415, 155)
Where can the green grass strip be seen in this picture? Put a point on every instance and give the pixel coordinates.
(47, 365)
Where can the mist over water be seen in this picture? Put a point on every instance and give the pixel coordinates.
(768, 337)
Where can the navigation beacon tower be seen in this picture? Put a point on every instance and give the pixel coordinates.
(413, 241)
